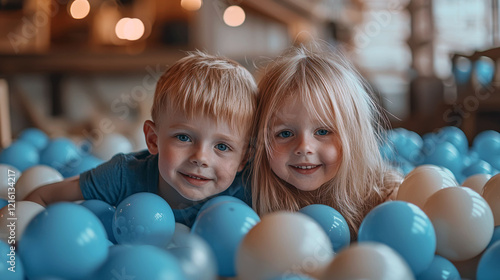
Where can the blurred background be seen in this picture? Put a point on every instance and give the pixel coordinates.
(86, 68)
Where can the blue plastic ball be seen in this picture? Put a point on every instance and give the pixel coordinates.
(462, 69)
(440, 269)
(139, 262)
(332, 222)
(495, 237)
(488, 267)
(36, 137)
(104, 212)
(487, 145)
(85, 163)
(61, 154)
(455, 136)
(292, 276)
(484, 70)
(11, 266)
(65, 240)
(3, 202)
(403, 165)
(405, 228)
(144, 218)
(223, 227)
(471, 158)
(479, 167)
(447, 155)
(495, 164)
(387, 151)
(20, 154)
(219, 199)
(410, 147)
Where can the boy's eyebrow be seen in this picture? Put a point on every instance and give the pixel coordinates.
(221, 136)
(180, 125)
(227, 138)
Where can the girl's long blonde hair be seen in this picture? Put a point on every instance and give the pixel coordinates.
(334, 91)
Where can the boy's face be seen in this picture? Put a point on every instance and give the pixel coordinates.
(198, 157)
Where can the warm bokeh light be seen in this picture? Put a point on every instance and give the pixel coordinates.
(191, 5)
(129, 29)
(134, 29)
(234, 16)
(120, 28)
(79, 9)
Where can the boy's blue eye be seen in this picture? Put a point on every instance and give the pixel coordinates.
(322, 132)
(285, 134)
(183, 138)
(222, 147)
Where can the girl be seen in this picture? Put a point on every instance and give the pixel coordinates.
(317, 136)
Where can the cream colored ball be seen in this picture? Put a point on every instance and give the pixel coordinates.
(476, 182)
(111, 144)
(35, 177)
(283, 243)
(423, 181)
(14, 220)
(462, 220)
(368, 260)
(491, 193)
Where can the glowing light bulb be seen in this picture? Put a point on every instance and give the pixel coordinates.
(234, 16)
(191, 5)
(79, 9)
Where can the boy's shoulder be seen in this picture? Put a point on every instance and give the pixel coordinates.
(121, 176)
(134, 158)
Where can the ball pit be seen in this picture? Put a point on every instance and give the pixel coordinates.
(227, 243)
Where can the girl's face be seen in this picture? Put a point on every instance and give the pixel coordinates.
(304, 152)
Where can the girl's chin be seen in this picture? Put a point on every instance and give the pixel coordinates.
(305, 188)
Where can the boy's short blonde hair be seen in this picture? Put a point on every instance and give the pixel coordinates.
(212, 86)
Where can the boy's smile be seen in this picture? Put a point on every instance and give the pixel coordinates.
(304, 152)
(198, 157)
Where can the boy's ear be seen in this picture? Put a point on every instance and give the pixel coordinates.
(151, 136)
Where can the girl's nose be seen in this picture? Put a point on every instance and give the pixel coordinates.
(305, 146)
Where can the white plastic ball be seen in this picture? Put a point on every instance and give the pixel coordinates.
(476, 182)
(34, 178)
(20, 215)
(424, 181)
(368, 260)
(282, 243)
(491, 193)
(463, 222)
(179, 232)
(111, 144)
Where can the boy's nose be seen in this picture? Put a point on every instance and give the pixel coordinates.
(305, 146)
(200, 157)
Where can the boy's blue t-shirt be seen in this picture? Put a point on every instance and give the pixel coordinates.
(126, 174)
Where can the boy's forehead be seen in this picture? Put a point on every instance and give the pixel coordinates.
(177, 117)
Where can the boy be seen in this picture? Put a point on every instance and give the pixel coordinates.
(197, 141)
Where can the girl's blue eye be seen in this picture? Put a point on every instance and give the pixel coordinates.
(322, 132)
(285, 134)
(222, 147)
(183, 138)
